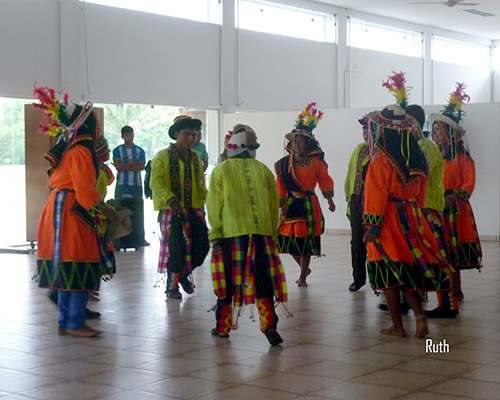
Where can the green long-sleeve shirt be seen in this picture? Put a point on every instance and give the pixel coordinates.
(242, 199)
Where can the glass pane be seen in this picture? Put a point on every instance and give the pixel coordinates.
(268, 17)
(463, 53)
(365, 35)
(196, 10)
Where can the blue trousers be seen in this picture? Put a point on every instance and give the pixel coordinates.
(72, 305)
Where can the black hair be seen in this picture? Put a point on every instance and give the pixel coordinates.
(417, 112)
(127, 129)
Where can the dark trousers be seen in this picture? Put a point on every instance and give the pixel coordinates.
(358, 248)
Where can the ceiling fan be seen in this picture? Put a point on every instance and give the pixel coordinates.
(449, 3)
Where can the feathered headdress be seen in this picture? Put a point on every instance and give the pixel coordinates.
(304, 124)
(396, 85)
(310, 117)
(456, 101)
(54, 119)
(58, 119)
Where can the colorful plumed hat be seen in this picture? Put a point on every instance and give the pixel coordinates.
(242, 138)
(452, 114)
(305, 123)
(450, 118)
(397, 86)
(61, 119)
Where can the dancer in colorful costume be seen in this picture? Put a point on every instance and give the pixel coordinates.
(401, 247)
(302, 222)
(460, 228)
(242, 206)
(178, 194)
(72, 252)
(433, 212)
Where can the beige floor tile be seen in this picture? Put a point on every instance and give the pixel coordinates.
(295, 383)
(487, 373)
(244, 392)
(185, 387)
(356, 391)
(468, 388)
(400, 379)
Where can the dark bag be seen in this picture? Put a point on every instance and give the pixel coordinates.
(201, 244)
(147, 178)
(177, 242)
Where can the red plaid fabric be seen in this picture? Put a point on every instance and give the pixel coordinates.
(165, 220)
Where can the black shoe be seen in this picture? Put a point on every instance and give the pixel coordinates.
(354, 287)
(440, 312)
(89, 314)
(404, 307)
(215, 332)
(186, 285)
(273, 337)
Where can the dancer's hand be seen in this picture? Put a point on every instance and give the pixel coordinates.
(370, 237)
(176, 208)
(331, 205)
(217, 249)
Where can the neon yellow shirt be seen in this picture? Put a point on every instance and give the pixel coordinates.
(162, 179)
(435, 186)
(242, 199)
(350, 178)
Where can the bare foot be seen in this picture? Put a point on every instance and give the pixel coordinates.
(303, 276)
(393, 332)
(422, 329)
(301, 283)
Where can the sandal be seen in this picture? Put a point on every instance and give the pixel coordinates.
(215, 332)
(174, 294)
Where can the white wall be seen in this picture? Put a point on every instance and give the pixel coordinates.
(283, 73)
(339, 133)
(366, 90)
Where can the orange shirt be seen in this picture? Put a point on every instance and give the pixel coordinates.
(460, 174)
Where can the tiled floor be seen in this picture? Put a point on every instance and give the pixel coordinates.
(155, 349)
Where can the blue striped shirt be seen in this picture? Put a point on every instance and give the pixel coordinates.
(129, 178)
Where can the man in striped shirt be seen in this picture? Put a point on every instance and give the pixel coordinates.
(129, 161)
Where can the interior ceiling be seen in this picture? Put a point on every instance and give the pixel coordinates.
(437, 15)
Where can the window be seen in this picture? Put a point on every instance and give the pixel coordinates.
(280, 19)
(463, 53)
(365, 35)
(196, 10)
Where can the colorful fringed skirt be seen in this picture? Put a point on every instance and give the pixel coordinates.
(300, 231)
(461, 235)
(406, 252)
(68, 251)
